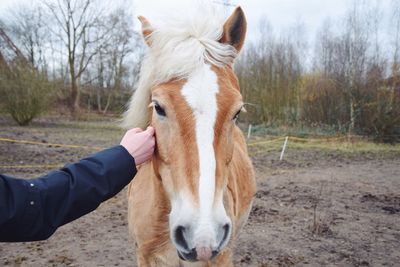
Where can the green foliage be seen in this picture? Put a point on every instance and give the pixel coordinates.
(25, 91)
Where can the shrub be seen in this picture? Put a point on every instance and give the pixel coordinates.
(381, 117)
(25, 91)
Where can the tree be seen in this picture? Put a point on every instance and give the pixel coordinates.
(110, 59)
(24, 89)
(26, 25)
(80, 27)
(269, 72)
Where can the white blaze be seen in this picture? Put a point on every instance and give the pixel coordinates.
(205, 226)
(200, 93)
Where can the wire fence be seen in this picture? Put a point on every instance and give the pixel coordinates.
(256, 143)
(50, 145)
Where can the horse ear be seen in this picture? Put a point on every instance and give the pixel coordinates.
(147, 29)
(234, 31)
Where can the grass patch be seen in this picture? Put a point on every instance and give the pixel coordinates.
(298, 131)
(340, 144)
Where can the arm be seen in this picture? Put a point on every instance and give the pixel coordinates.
(33, 209)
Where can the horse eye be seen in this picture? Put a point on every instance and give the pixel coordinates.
(160, 111)
(237, 115)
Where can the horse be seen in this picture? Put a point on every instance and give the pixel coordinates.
(187, 204)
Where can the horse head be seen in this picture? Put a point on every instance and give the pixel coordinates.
(194, 103)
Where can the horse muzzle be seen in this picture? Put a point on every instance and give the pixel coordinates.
(198, 254)
(199, 250)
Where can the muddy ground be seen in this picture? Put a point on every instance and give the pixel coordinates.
(317, 207)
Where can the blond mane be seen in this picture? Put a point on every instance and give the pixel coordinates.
(177, 48)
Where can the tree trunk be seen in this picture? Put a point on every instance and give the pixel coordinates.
(352, 116)
(108, 103)
(98, 100)
(75, 98)
(75, 94)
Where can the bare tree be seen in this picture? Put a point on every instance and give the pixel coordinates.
(26, 25)
(395, 29)
(80, 27)
(342, 58)
(110, 59)
(354, 52)
(269, 73)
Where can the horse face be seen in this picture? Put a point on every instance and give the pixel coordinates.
(194, 121)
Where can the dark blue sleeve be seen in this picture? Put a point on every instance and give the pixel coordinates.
(33, 209)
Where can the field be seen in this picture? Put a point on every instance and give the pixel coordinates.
(328, 203)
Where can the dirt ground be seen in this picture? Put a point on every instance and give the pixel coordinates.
(317, 207)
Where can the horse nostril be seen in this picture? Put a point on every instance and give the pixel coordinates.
(180, 238)
(226, 229)
(191, 256)
(214, 253)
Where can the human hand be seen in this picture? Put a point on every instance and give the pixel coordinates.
(140, 144)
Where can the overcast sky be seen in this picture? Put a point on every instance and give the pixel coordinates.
(280, 13)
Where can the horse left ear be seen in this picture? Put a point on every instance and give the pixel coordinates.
(234, 31)
(147, 29)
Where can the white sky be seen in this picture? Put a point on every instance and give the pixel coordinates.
(280, 13)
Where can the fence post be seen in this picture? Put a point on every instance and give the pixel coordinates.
(249, 132)
(284, 147)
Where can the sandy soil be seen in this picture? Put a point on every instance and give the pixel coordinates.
(315, 208)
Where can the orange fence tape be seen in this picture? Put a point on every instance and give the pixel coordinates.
(46, 144)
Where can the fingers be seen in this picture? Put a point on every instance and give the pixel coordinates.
(150, 130)
(135, 130)
(152, 142)
(140, 144)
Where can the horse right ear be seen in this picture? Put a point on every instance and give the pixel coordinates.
(234, 30)
(147, 29)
